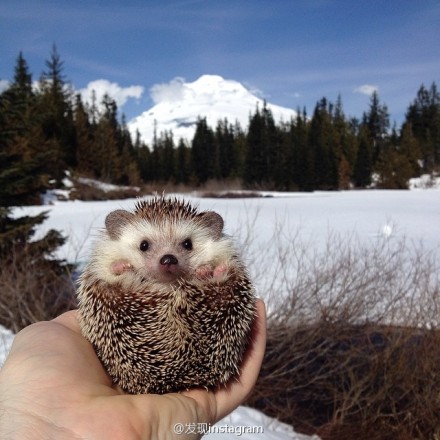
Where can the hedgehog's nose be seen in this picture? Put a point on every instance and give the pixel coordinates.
(168, 260)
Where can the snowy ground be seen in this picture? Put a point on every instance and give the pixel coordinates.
(6, 338)
(262, 224)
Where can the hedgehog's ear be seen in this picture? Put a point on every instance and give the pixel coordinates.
(213, 221)
(115, 221)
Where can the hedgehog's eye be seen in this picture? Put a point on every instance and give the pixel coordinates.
(144, 246)
(187, 244)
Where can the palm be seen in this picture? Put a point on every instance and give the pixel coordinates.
(54, 374)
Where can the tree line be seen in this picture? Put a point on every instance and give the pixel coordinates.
(325, 151)
(48, 129)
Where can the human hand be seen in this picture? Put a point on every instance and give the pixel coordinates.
(52, 386)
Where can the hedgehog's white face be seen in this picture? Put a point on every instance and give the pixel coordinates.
(168, 251)
(162, 252)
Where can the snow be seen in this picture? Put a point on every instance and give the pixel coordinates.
(371, 215)
(179, 104)
(249, 424)
(425, 181)
(6, 338)
(106, 187)
(263, 224)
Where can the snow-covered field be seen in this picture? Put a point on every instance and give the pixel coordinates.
(262, 224)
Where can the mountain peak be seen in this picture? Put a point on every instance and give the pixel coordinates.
(178, 105)
(209, 79)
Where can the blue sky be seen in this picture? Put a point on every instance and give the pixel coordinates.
(293, 52)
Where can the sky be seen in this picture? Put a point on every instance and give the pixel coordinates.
(290, 52)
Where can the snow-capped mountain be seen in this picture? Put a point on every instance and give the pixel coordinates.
(178, 105)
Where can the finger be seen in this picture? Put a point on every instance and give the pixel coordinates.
(70, 320)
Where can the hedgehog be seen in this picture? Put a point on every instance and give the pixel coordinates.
(165, 300)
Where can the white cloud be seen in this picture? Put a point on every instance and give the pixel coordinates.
(102, 87)
(4, 84)
(366, 89)
(168, 92)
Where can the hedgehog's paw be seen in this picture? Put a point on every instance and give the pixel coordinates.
(220, 271)
(204, 271)
(207, 271)
(118, 267)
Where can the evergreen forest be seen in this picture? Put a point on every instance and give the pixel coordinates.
(46, 129)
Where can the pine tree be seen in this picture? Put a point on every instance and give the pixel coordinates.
(143, 158)
(106, 143)
(86, 159)
(154, 171)
(363, 167)
(203, 159)
(423, 117)
(239, 151)
(344, 173)
(283, 167)
(34, 285)
(15, 187)
(167, 158)
(22, 84)
(393, 169)
(345, 145)
(21, 136)
(377, 121)
(303, 156)
(321, 141)
(57, 116)
(409, 146)
(225, 142)
(262, 141)
(183, 163)
(50, 291)
(16, 104)
(130, 174)
(255, 166)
